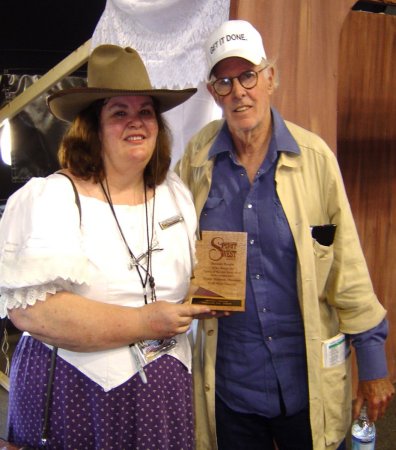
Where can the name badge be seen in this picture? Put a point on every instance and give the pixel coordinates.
(170, 222)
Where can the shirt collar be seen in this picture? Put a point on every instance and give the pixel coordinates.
(281, 141)
(223, 142)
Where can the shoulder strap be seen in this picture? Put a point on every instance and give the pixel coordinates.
(54, 353)
(77, 197)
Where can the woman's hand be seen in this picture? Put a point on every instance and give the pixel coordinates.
(164, 320)
(79, 324)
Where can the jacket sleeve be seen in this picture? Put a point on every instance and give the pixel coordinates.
(349, 288)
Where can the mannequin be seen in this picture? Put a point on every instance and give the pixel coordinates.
(169, 36)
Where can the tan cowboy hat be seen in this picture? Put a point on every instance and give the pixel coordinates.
(113, 71)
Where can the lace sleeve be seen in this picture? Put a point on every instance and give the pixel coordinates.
(28, 296)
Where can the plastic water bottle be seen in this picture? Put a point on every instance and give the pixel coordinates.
(363, 432)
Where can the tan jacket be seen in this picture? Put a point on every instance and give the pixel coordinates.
(334, 286)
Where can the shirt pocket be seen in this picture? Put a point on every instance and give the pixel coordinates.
(212, 203)
(215, 214)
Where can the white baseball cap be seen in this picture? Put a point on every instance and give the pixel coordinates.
(234, 38)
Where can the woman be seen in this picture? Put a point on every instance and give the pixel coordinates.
(105, 284)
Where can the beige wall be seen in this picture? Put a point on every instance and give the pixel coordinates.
(303, 37)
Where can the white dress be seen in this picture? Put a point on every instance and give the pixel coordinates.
(44, 249)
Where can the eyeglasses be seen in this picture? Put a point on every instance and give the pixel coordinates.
(248, 80)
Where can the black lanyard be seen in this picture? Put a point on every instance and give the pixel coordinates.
(135, 261)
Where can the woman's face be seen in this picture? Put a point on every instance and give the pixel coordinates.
(128, 132)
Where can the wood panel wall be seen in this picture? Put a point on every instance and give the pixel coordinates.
(367, 147)
(303, 37)
(320, 45)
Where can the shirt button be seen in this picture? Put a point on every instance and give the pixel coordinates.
(265, 310)
(210, 332)
(207, 387)
(258, 276)
(249, 205)
(251, 242)
(269, 338)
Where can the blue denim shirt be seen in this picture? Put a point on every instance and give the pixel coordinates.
(261, 352)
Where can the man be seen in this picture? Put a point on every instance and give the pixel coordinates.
(308, 285)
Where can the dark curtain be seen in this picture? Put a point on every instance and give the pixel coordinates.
(35, 134)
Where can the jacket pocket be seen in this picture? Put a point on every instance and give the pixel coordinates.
(324, 256)
(337, 399)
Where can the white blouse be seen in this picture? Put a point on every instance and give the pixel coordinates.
(43, 249)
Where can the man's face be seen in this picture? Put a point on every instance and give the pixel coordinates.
(245, 110)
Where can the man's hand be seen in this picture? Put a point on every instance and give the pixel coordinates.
(376, 394)
(214, 315)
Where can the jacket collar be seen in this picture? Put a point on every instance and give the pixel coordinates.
(281, 137)
(216, 138)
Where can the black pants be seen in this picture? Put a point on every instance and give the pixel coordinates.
(237, 431)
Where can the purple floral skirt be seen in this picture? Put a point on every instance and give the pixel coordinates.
(157, 415)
